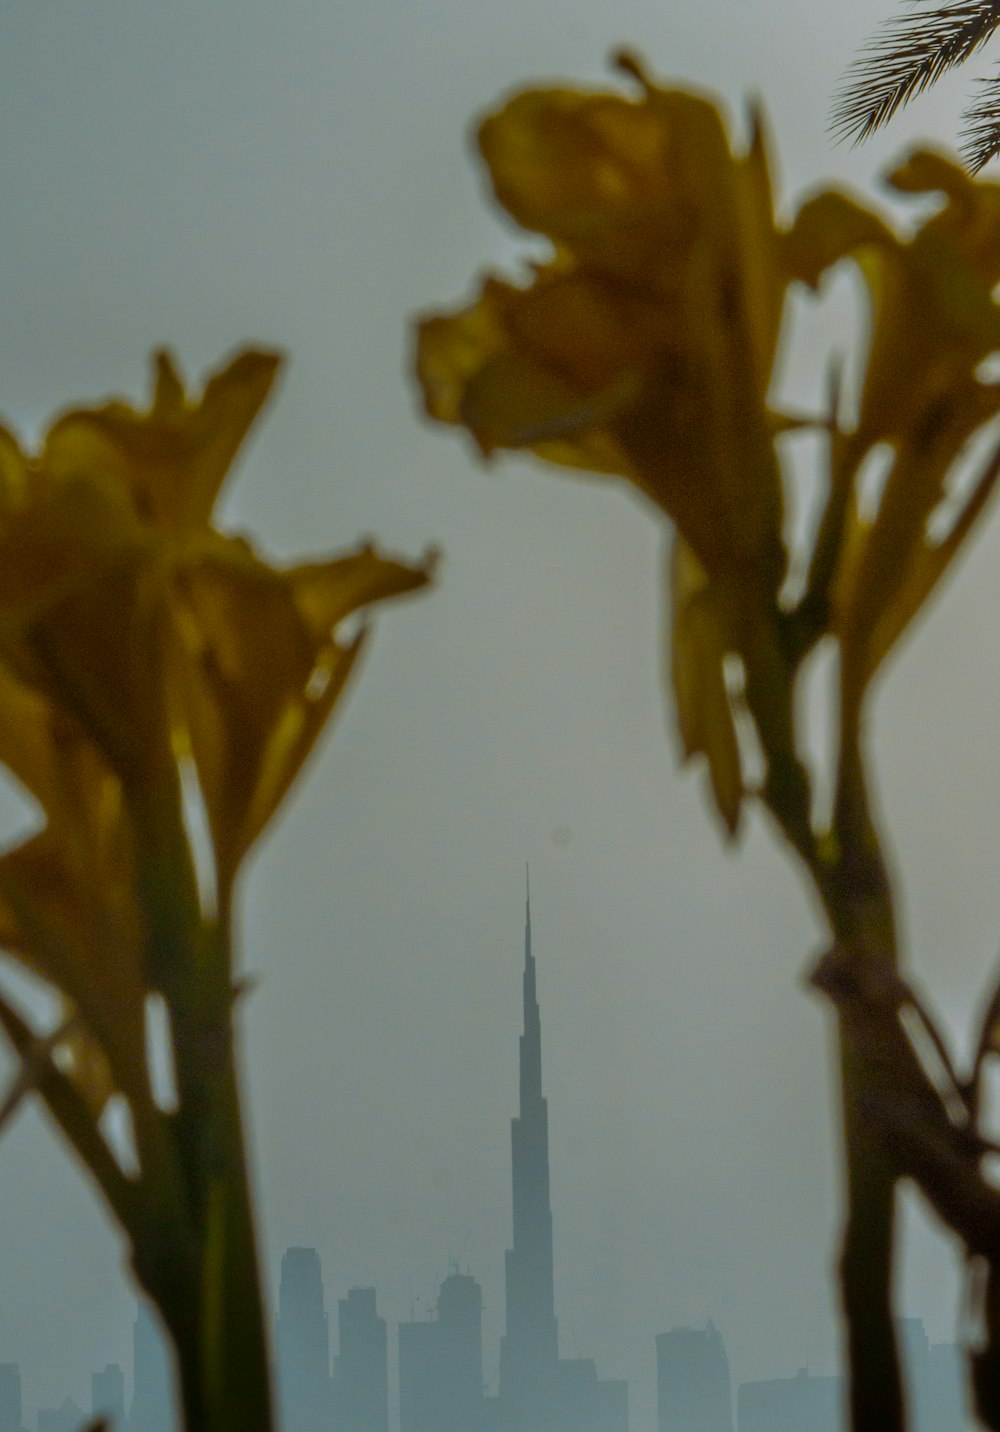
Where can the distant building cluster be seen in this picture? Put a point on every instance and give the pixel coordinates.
(441, 1383)
(151, 1408)
(441, 1386)
(694, 1392)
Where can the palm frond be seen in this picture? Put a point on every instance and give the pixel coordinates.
(906, 56)
(981, 126)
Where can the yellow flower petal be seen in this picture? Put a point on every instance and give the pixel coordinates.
(970, 220)
(645, 348)
(67, 902)
(173, 458)
(259, 665)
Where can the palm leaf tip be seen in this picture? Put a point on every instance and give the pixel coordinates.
(981, 127)
(908, 55)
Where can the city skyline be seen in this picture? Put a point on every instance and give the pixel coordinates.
(695, 1392)
(439, 1383)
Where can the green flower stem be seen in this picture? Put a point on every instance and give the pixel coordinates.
(219, 1334)
(856, 891)
(875, 1381)
(848, 871)
(857, 897)
(213, 1309)
(235, 1388)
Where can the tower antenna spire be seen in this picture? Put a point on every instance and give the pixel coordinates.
(527, 912)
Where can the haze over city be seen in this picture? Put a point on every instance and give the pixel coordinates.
(334, 1371)
(300, 175)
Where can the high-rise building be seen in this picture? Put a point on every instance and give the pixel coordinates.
(10, 1397)
(539, 1391)
(803, 1403)
(107, 1395)
(934, 1379)
(441, 1363)
(947, 1391)
(460, 1318)
(692, 1381)
(303, 1344)
(361, 1366)
(153, 1404)
(67, 1418)
(529, 1348)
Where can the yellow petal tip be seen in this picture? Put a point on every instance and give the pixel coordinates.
(630, 62)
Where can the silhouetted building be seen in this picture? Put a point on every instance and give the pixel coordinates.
(10, 1398)
(588, 1401)
(152, 1407)
(303, 1344)
(529, 1348)
(441, 1363)
(935, 1380)
(693, 1390)
(107, 1395)
(361, 1367)
(793, 1404)
(420, 1389)
(947, 1390)
(67, 1418)
(539, 1392)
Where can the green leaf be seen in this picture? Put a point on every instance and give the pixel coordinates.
(704, 713)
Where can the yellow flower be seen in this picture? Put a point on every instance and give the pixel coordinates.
(89, 533)
(149, 661)
(645, 347)
(135, 635)
(924, 394)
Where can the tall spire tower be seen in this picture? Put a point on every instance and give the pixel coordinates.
(529, 1352)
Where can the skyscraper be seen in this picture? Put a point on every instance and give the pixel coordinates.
(361, 1367)
(803, 1403)
(10, 1397)
(441, 1363)
(152, 1407)
(303, 1344)
(692, 1381)
(529, 1349)
(934, 1379)
(539, 1391)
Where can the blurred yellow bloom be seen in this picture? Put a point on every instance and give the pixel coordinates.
(68, 902)
(151, 664)
(133, 635)
(171, 459)
(260, 663)
(646, 347)
(933, 323)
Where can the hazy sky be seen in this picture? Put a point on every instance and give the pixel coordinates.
(297, 172)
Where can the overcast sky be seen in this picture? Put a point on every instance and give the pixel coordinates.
(297, 172)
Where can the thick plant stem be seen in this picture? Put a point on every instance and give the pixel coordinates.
(857, 895)
(875, 1386)
(849, 874)
(233, 1312)
(231, 1390)
(215, 1315)
(214, 1311)
(222, 1353)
